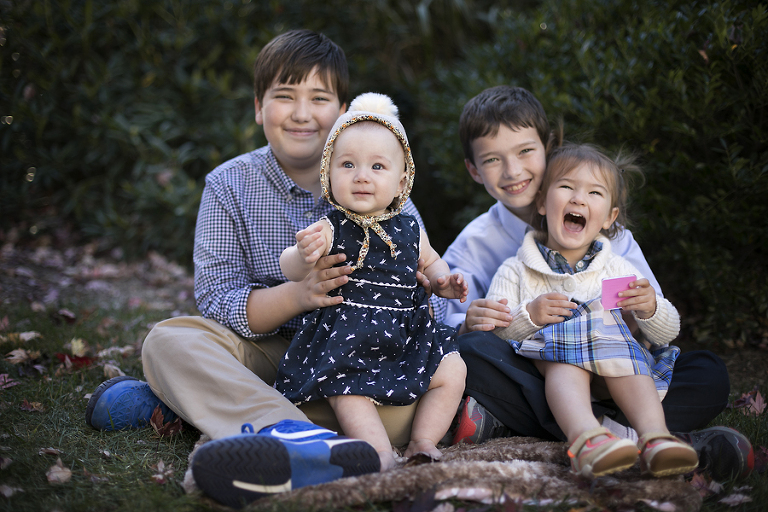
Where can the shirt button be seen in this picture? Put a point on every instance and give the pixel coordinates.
(580, 264)
(308, 214)
(569, 284)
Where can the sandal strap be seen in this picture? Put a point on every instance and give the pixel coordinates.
(580, 441)
(651, 436)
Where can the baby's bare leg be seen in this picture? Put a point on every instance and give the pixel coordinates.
(358, 418)
(437, 407)
(567, 388)
(638, 399)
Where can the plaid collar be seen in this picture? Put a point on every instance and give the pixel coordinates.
(559, 264)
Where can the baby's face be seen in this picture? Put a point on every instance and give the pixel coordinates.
(367, 170)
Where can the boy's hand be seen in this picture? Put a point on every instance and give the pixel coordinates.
(323, 278)
(640, 298)
(309, 243)
(550, 308)
(451, 286)
(486, 315)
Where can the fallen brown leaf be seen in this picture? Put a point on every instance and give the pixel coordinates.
(49, 451)
(32, 406)
(111, 370)
(733, 500)
(58, 474)
(162, 474)
(8, 491)
(6, 381)
(162, 428)
(97, 479)
(17, 356)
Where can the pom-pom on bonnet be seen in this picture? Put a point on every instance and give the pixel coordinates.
(377, 108)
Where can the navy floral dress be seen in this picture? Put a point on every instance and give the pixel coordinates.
(381, 342)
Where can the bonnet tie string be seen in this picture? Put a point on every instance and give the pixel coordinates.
(366, 222)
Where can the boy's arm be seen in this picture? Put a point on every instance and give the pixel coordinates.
(238, 278)
(269, 308)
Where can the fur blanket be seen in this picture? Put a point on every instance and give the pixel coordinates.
(517, 469)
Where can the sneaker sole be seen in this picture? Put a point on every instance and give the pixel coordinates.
(97, 394)
(236, 471)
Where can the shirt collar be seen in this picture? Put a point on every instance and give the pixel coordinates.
(275, 174)
(510, 222)
(557, 263)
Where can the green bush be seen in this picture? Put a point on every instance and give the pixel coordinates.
(686, 85)
(111, 114)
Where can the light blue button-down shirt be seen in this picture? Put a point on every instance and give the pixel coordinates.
(496, 235)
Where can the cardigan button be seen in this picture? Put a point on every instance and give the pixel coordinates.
(569, 284)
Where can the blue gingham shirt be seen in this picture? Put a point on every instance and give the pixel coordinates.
(559, 264)
(249, 212)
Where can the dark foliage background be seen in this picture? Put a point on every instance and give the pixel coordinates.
(111, 114)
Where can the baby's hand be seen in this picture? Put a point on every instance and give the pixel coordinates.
(640, 298)
(486, 315)
(550, 308)
(309, 243)
(451, 286)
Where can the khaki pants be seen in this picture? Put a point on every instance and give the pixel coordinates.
(217, 380)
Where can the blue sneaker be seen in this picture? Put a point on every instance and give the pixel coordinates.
(123, 402)
(290, 454)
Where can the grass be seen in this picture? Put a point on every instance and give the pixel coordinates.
(113, 471)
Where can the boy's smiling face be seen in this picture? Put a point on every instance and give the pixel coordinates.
(510, 165)
(297, 119)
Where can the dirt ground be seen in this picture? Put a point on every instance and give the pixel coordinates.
(45, 277)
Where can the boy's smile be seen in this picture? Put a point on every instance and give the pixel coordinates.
(510, 165)
(297, 119)
(577, 206)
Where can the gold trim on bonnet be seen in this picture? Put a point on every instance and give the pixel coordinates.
(368, 221)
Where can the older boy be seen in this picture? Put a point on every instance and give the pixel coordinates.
(216, 371)
(504, 134)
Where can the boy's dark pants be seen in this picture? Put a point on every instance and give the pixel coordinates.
(512, 389)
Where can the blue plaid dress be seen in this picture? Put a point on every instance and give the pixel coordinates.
(599, 341)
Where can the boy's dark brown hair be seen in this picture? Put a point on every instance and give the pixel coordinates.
(290, 57)
(514, 107)
(620, 174)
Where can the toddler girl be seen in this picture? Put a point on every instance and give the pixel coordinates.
(380, 345)
(553, 288)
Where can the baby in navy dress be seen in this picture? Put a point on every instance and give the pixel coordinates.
(379, 344)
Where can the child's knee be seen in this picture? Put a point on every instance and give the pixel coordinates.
(452, 372)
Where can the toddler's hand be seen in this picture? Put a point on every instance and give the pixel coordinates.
(309, 243)
(550, 308)
(640, 298)
(486, 315)
(451, 286)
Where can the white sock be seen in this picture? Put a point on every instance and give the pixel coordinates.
(618, 429)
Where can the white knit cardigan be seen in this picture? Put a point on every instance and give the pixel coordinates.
(522, 278)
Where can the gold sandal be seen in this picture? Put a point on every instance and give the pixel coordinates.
(663, 454)
(603, 457)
